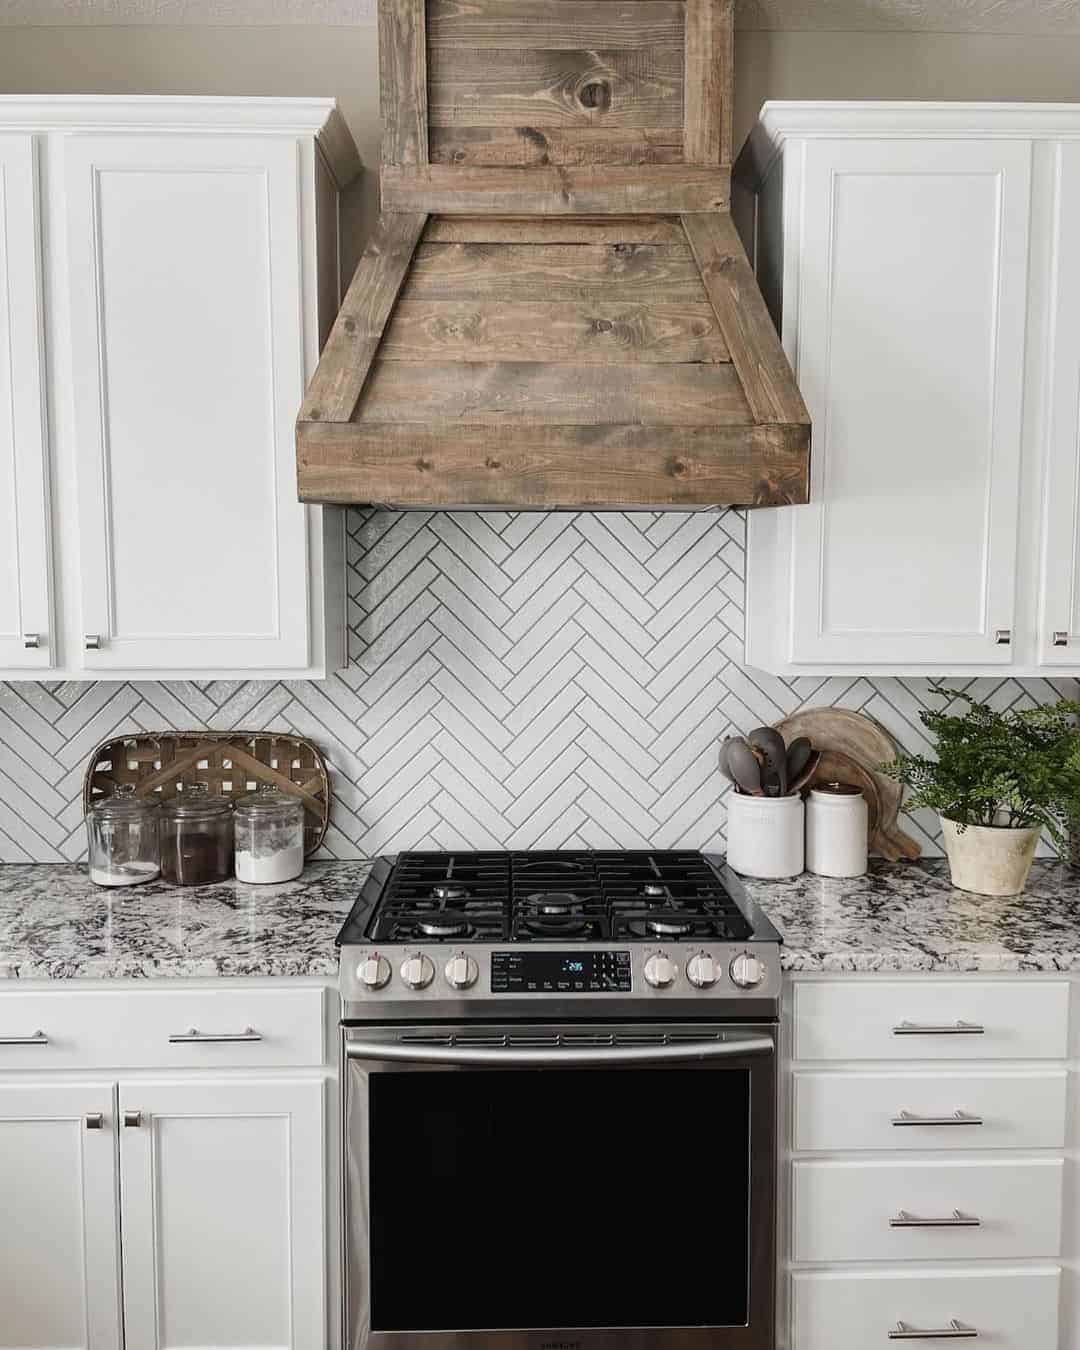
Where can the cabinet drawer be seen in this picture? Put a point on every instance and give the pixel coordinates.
(1010, 1309)
(136, 1028)
(895, 1211)
(931, 1019)
(838, 1111)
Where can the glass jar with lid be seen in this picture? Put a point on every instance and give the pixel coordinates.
(269, 837)
(196, 837)
(122, 837)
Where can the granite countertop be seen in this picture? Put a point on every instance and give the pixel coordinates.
(55, 924)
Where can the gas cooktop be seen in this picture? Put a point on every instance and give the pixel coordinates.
(575, 927)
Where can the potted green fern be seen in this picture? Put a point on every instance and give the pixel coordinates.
(1000, 779)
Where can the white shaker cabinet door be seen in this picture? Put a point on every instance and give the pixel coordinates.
(184, 288)
(911, 299)
(59, 1230)
(223, 1237)
(26, 639)
(1059, 624)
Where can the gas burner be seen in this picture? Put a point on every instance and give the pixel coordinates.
(669, 928)
(444, 925)
(653, 890)
(553, 903)
(446, 891)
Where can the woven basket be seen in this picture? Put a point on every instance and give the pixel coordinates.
(230, 763)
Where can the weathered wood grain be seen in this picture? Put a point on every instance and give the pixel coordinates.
(602, 332)
(512, 87)
(554, 24)
(343, 368)
(555, 230)
(710, 81)
(403, 81)
(744, 321)
(582, 467)
(664, 273)
(665, 189)
(519, 393)
(572, 147)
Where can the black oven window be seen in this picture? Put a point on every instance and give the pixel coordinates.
(559, 1198)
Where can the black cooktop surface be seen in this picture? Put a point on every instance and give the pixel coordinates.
(589, 896)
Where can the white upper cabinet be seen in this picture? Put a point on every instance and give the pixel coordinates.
(25, 584)
(905, 250)
(187, 245)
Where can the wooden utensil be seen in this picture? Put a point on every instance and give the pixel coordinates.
(771, 744)
(745, 768)
(806, 773)
(798, 756)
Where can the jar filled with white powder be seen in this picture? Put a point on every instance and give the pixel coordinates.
(122, 832)
(269, 831)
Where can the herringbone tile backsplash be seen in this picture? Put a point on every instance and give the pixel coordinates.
(516, 680)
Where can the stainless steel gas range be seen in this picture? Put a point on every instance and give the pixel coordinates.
(559, 1104)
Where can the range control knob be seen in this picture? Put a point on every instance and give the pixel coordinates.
(374, 972)
(660, 971)
(747, 970)
(417, 971)
(702, 971)
(462, 972)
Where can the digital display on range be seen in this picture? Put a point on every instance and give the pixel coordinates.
(535, 972)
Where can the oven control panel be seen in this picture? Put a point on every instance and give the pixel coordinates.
(578, 972)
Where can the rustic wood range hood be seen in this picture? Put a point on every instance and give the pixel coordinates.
(555, 309)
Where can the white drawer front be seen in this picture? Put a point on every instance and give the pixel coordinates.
(133, 1028)
(919, 1019)
(1010, 1309)
(843, 1210)
(842, 1111)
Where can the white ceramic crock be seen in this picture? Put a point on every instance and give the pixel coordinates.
(766, 836)
(987, 860)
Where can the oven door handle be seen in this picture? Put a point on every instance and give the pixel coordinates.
(512, 1057)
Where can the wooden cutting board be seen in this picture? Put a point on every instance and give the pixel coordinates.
(854, 747)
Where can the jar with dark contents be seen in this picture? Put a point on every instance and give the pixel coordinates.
(196, 838)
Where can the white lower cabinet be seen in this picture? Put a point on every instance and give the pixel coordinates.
(1009, 1309)
(59, 1221)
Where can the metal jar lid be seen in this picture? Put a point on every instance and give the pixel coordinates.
(836, 790)
(269, 802)
(194, 802)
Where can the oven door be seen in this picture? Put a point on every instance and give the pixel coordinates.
(560, 1188)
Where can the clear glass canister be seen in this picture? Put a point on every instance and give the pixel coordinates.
(122, 834)
(269, 837)
(196, 837)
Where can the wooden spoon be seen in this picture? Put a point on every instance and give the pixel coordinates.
(798, 753)
(771, 744)
(744, 767)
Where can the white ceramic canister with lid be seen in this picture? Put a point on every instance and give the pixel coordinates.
(837, 826)
(765, 835)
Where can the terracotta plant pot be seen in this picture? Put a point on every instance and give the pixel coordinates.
(988, 860)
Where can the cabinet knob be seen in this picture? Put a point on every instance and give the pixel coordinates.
(1003, 636)
(1061, 639)
(92, 642)
(31, 641)
(132, 1120)
(95, 1120)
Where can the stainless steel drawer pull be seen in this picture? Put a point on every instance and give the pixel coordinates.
(957, 1118)
(1003, 636)
(195, 1037)
(1061, 639)
(95, 1120)
(955, 1220)
(31, 641)
(35, 1038)
(942, 1029)
(92, 642)
(132, 1120)
(955, 1331)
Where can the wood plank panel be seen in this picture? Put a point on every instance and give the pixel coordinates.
(344, 364)
(543, 467)
(519, 393)
(744, 321)
(710, 80)
(573, 147)
(515, 87)
(625, 334)
(664, 189)
(403, 81)
(664, 273)
(554, 230)
(554, 24)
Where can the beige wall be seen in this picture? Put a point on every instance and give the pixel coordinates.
(342, 61)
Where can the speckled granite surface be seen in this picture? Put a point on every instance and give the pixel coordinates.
(907, 917)
(54, 924)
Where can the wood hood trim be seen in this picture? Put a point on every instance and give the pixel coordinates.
(583, 330)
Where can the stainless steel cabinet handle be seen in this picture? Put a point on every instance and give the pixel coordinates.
(957, 1118)
(31, 641)
(195, 1037)
(1003, 636)
(132, 1120)
(1061, 639)
(95, 1120)
(955, 1220)
(955, 1331)
(525, 1058)
(35, 1038)
(92, 642)
(938, 1029)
